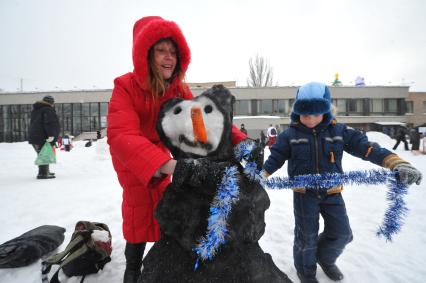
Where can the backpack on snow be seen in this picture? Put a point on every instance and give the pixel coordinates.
(88, 252)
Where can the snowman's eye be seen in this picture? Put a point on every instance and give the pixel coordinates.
(177, 110)
(208, 109)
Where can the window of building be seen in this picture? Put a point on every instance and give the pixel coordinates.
(424, 106)
(391, 106)
(59, 109)
(242, 107)
(376, 106)
(85, 109)
(281, 106)
(355, 106)
(264, 106)
(66, 118)
(341, 106)
(409, 107)
(76, 109)
(85, 119)
(76, 118)
(104, 112)
(94, 109)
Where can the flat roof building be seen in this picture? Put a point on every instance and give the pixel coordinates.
(366, 107)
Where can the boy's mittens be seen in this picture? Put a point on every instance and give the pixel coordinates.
(408, 174)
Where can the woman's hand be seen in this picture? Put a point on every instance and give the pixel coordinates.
(168, 168)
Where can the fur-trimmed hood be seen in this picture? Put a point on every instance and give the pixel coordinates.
(41, 103)
(146, 32)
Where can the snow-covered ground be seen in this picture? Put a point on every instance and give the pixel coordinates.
(86, 188)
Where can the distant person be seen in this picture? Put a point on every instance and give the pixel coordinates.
(392, 132)
(243, 129)
(59, 142)
(314, 134)
(272, 135)
(400, 137)
(262, 139)
(277, 127)
(415, 139)
(44, 126)
(66, 141)
(98, 135)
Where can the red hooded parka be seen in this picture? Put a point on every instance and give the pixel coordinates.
(136, 150)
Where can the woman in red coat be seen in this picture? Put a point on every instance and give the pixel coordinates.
(143, 164)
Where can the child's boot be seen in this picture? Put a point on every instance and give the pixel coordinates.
(307, 278)
(134, 255)
(332, 271)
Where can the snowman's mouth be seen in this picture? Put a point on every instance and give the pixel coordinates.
(183, 139)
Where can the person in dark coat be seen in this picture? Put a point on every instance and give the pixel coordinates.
(415, 139)
(243, 129)
(314, 144)
(400, 137)
(262, 139)
(44, 126)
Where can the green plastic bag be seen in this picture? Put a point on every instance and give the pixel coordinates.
(46, 155)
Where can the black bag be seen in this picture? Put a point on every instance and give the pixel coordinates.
(88, 252)
(31, 246)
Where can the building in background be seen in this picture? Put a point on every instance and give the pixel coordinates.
(82, 113)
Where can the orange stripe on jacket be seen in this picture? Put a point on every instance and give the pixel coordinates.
(198, 127)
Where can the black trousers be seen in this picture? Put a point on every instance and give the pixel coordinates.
(398, 141)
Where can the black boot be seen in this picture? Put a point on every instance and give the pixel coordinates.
(307, 278)
(332, 271)
(50, 173)
(134, 255)
(43, 172)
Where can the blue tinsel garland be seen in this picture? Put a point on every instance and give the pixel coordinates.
(395, 213)
(227, 195)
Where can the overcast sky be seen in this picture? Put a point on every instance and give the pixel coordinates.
(85, 44)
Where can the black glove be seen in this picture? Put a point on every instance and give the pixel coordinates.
(407, 174)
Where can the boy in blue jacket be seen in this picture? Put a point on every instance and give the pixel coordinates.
(314, 144)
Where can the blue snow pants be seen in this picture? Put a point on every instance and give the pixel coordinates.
(309, 247)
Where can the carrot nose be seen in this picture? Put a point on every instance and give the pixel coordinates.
(198, 127)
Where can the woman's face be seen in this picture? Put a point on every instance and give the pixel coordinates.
(165, 58)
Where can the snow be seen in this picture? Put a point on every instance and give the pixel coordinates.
(86, 188)
(256, 117)
(100, 236)
(386, 123)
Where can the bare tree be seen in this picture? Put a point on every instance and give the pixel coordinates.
(261, 74)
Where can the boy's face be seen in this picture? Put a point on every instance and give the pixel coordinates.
(311, 121)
